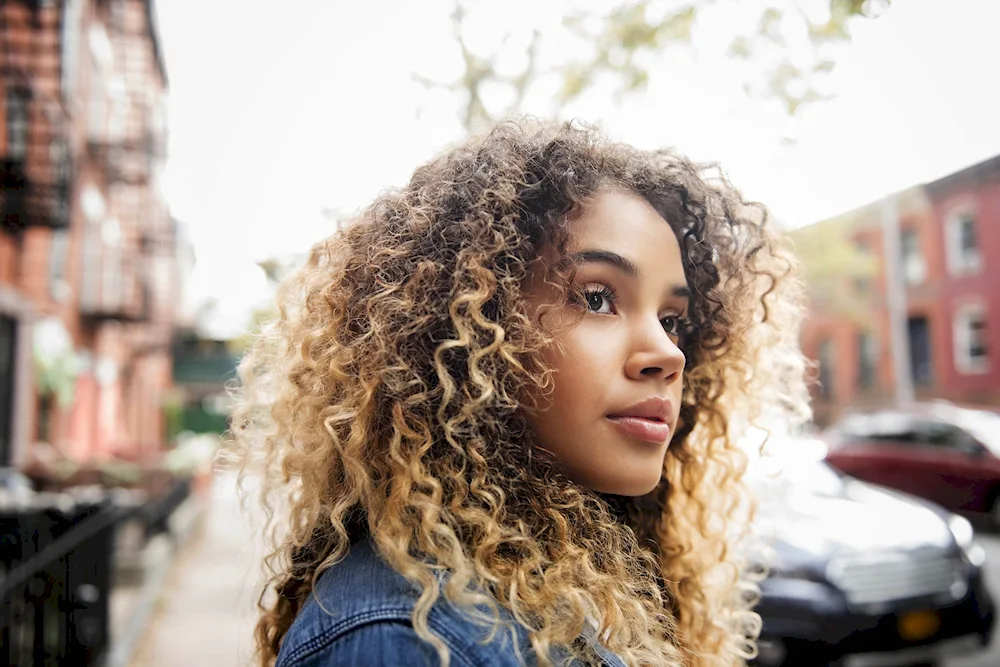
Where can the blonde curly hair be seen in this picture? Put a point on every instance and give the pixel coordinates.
(384, 401)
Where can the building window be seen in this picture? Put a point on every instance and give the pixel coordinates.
(63, 168)
(97, 122)
(867, 359)
(112, 293)
(116, 15)
(45, 409)
(102, 58)
(918, 330)
(17, 123)
(971, 351)
(90, 284)
(914, 267)
(71, 28)
(962, 244)
(58, 254)
(863, 282)
(826, 361)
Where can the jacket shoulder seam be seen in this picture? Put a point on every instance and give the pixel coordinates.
(360, 620)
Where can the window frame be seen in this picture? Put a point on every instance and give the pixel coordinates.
(953, 437)
(913, 264)
(900, 429)
(960, 261)
(962, 318)
(71, 39)
(867, 358)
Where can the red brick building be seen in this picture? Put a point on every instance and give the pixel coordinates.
(88, 270)
(949, 263)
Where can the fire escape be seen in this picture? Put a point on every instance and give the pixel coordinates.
(120, 255)
(125, 248)
(35, 165)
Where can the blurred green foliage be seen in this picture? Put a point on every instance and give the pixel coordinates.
(196, 419)
(839, 273)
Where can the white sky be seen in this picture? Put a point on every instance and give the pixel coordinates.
(278, 115)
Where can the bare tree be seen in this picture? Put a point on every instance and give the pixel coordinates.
(622, 37)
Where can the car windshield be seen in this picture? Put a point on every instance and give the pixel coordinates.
(875, 426)
(984, 427)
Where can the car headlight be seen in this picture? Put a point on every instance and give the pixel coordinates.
(962, 531)
(965, 538)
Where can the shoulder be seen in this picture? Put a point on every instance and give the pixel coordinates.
(382, 642)
(360, 614)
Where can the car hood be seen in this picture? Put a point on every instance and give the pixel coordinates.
(806, 527)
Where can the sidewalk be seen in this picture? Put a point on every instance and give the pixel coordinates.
(206, 614)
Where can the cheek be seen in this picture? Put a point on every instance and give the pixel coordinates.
(584, 363)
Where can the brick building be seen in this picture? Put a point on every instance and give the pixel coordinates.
(88, 254)
(949, 265)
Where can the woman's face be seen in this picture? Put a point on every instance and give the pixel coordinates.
(618, 370)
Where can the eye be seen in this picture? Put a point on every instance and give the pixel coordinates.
(675, 325)
(599, 299)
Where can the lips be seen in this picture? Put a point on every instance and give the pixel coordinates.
(649, 430)
(648, 420)
(653, 408)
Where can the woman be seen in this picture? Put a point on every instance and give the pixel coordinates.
(496, 418)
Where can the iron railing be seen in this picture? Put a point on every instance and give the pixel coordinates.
(55, 585)
(57, 571)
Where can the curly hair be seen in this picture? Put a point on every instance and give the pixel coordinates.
(385, 400)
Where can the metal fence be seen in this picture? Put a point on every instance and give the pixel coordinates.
(56, 584)
(155, 514)
(57, 572)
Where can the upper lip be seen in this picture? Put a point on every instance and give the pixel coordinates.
(653, 407)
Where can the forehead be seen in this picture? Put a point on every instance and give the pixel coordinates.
(624, 223)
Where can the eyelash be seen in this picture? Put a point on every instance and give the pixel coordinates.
(682, 327)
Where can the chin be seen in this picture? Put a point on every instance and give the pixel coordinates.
(631, 488)
(641, 491)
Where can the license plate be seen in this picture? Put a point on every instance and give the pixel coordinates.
(917, 625)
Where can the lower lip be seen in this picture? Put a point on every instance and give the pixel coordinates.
(649, 430)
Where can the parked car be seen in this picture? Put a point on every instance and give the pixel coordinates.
(864, 575)
(938, 451)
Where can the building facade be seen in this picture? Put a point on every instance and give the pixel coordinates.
(946, 240)
(88, 253)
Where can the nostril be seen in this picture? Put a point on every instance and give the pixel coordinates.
(652, 370)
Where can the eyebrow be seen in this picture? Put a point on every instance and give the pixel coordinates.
(626, 266)
(623, 264)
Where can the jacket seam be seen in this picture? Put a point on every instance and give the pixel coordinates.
(342, 628)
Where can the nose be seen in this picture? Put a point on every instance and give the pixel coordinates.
(654, 355)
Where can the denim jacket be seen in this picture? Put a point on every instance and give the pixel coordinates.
(359, 615)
